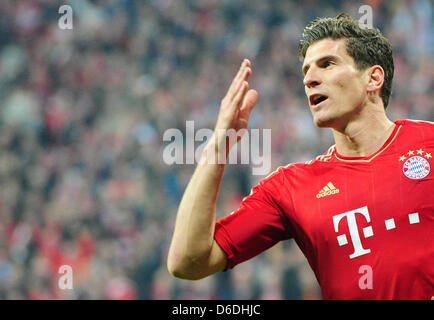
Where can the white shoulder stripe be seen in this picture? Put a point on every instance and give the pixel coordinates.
(278, 168)
(421, 121)
(324, 157)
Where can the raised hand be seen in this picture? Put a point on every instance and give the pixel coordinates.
(236, 106)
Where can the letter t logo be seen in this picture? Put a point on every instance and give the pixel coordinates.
(354, 232)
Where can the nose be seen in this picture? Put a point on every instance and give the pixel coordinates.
(311, 78)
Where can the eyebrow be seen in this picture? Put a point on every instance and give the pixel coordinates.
(319, 60)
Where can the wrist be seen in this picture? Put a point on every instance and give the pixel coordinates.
(217, 149)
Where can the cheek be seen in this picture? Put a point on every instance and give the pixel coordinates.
(349, 88)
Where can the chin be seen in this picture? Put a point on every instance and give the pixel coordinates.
(323, 122)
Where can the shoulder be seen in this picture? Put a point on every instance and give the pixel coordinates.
(417, 130)
(283, 173)
(415, 124)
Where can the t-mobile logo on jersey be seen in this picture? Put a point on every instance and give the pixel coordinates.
(413, 218)
(354, 232)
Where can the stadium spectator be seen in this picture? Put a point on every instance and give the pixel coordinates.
(83, 112)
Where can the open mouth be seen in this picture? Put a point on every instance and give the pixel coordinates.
(316, 99)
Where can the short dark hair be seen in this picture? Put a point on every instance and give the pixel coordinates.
(367, 46)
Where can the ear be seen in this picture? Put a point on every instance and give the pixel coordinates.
(375, 78)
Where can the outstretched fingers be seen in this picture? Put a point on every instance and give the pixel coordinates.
(239, 97)
(239, 83)
(239, 100)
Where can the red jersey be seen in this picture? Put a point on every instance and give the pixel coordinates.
(365, 224)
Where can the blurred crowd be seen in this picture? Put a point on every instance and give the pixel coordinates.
(82, 118)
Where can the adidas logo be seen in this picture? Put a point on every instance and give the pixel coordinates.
(328, 190)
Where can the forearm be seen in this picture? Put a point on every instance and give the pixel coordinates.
(194, 228)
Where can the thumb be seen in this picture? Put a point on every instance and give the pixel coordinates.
(249, 101)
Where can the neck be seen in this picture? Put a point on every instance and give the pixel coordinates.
(363, 136)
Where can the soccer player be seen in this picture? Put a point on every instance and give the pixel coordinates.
(362, 213)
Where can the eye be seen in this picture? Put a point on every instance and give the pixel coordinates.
(328, 63)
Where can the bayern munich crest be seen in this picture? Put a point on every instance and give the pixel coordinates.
(416, 166)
